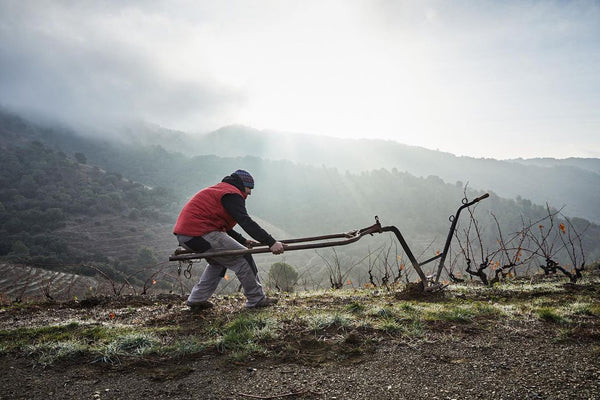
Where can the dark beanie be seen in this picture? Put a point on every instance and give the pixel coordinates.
(246, 178)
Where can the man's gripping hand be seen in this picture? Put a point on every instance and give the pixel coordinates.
(251, 243)
(277, 248)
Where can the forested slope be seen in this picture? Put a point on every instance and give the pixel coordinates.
(57, 212)
(70, 199)
(572, 182)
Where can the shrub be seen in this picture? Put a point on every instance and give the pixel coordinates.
(283, 276)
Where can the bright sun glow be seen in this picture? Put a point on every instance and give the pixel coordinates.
(488, 79)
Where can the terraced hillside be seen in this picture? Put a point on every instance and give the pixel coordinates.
(21, 282)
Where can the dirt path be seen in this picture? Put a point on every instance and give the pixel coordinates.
(518, 356)
(493, 365)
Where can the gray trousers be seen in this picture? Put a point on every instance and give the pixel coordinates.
(216, 267)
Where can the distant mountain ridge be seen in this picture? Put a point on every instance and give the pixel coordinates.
(292, 198)
(590, 164)
(573, 182)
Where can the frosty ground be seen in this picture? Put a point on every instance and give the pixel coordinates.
(512, 342)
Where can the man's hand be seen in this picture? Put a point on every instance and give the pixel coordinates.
(251, 243)
(277, 248)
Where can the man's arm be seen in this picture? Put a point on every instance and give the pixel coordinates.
(234, 205)
(237, 236)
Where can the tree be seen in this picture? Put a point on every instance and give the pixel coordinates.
(146, 257)
(134, 214)
(19, 249)
(283, 276)
(81, 158)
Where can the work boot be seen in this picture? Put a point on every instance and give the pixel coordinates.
(199, 306)
(265, 302)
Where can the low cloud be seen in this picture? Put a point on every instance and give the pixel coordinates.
(70, 65)
(429, 73)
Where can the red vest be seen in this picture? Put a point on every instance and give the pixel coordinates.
(204, 212)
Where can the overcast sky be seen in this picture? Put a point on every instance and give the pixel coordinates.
(498, 79)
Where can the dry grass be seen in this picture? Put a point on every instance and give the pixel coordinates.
(311, 327)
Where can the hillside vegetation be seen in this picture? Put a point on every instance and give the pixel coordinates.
(57, 212)
(571, 182)
(68, 200)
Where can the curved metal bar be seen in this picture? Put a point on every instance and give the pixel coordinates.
(315, 238)
(352, 237)
(454, 220)
(407, 250)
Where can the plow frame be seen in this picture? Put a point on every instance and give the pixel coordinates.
(342, 239)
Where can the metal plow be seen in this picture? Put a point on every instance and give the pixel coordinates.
(430, 283)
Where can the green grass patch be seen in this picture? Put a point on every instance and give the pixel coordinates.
(135, 343)
(242, 336)
(414, 329)
(462, 313)
(383, 313)
(563, 334)
(409, 327)
(127, 345)
(323, 321)
(487, 310)
(550, 315)
(404, 320)
(356, 307)
(408, 308)
(453, 314)
(48, 344)
(50, 353)
(20, 337)
(583, 309)
(185, 347)
(93, 335)
(390, 325)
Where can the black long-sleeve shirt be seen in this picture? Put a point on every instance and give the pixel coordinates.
(235, 205)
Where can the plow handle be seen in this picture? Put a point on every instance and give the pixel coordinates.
(476, 200)
(485, 196)
(454, 220)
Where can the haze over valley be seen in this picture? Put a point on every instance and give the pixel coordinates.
(113, 114)
(77, 203)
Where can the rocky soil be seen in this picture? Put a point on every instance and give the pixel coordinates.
(511, 359)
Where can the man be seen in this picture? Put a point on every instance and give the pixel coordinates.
(207, 221)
